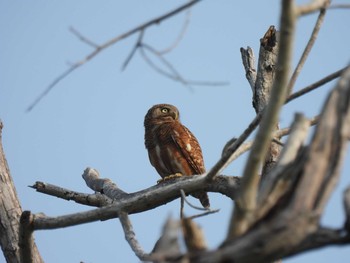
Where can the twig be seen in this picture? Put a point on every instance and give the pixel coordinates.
(131, 237)
(133, 51)
(308, 48)
(204, 214)
(83, 39)
(107, 44)
(182, 206)
(54, 83)
(174, 75)
(316, 85)
(183, 197)
(180, 36)
(224, 160)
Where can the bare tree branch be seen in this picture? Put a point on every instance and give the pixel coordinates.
(131, 237)
(313, 6)
(133, 51)
(337, 110)
(226, 185)
(308, 47)
(335, 6)
(230, 152)
(26, 241)
(292, 218)
(42, 221)
(107, 44)
(83, 38)
(102, 185)
(136, 202)
(97, 200)
(237, 251)
(266, 69)
(174, 74)
(295, 218)
(53, 84)
(264, 82)
(321, 238)
(180, 35)
(224, 160)
(183, 197)
(246, 202)
(248, 60)
(10, 214)
(316, 85)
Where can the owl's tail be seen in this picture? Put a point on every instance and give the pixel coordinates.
(203, 198)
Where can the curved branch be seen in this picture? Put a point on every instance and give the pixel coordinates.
(107, 44)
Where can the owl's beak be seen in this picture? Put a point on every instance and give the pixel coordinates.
(175, 115)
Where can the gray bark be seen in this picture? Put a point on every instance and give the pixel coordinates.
(10, 214)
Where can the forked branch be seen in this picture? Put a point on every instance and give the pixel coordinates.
(99, 48)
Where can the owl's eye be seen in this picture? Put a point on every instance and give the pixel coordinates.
(164, 110)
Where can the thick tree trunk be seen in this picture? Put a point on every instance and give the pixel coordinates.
(10, 213)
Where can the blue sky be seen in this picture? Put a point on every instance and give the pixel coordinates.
(95, 116)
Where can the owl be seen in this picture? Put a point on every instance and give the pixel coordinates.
(172, 148)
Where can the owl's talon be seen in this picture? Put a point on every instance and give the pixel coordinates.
(169, 177)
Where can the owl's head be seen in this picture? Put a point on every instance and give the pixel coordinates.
(161, 113)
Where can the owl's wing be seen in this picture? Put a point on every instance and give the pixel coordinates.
(189, 147)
